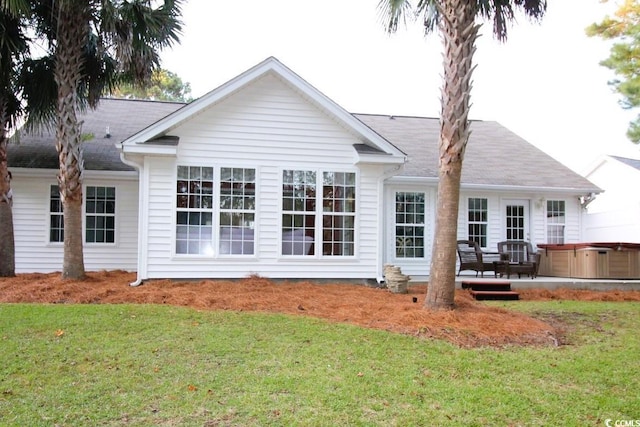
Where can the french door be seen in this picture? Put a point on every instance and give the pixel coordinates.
(516, 219)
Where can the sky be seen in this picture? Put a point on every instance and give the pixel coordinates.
(544, 83)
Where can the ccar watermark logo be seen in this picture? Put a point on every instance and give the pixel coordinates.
(621, 423)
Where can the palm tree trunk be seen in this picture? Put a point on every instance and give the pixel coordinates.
(72, 35)
(459, 32)
(7, 244)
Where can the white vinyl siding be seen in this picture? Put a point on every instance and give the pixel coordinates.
(267, 127)
(32, 223)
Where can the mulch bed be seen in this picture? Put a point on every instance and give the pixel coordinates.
(472, 324)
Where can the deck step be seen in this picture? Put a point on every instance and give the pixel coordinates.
(487, 285)
(495, 295)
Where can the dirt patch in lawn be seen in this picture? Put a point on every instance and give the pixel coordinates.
(472, 324)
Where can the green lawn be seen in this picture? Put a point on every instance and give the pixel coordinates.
(77, 365)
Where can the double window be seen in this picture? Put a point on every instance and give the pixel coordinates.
(206, 197)
(556, 215)
(99, 210)
(318, 207)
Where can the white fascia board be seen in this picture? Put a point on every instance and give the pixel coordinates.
(86, 173)
(156, 150)
(111, 175)
(413, 180)
(523, 189)
(31, 172)
(379, 159)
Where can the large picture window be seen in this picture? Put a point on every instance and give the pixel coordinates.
(477, 219)
(199, 205)
(555, 221)
(409, 225)
(100, 215)
(303, 204)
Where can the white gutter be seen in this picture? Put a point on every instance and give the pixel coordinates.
(493, 187)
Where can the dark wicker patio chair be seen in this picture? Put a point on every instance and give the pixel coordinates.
(522, 258)
(473, 258)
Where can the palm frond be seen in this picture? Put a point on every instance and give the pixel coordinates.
(15, 7)
(503, 12)
(393, 12)
(39, 91)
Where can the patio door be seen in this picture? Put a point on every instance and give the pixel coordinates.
(516, 220)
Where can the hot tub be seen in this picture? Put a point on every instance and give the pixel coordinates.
(596, 260)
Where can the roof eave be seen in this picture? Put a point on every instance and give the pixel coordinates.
(379, 159)
(149, 149)
(497, 187)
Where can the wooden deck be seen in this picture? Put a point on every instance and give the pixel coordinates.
(543, 282)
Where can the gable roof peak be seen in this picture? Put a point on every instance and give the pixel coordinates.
(290, 78)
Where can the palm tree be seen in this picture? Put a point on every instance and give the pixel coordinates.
(13, 48)
(456, 22)
(92, 45)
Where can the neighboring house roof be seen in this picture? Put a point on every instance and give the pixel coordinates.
(634, 163)
(494, 156)
(122, 117)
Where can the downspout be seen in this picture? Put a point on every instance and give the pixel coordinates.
(142, 231)
(382, 219)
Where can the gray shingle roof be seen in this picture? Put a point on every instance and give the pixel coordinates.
(495, 156)
(634, 163)
(122, 117)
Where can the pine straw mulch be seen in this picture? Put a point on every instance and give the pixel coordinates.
(472, 324)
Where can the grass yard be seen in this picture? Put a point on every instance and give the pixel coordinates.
(150, 365)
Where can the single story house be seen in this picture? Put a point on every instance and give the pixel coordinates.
(614, 216)
(265, 175)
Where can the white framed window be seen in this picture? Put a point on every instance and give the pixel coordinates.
(410, 225)
(100, 215)
(310, 215)
(56, 216)
(207, 197)
(237, 211)
(556, 221)
(477, 220)
(339, 213)
(194, 210)
(298, 212)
